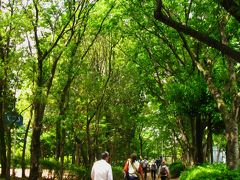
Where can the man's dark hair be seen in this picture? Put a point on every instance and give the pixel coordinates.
(105, 154)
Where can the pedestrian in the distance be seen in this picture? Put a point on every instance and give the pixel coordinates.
(153, 168)
(144, 163)
(133, 169)
(159, 162)
(164, 171)
(101, 169)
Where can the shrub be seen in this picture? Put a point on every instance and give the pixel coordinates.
(79, 171)
(50, 164)
(117, 172)
(176, 168)
(210, 172)
(17, 161)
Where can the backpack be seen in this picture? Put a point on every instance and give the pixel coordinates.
(163, 171)
(154, 166)
(144, 164)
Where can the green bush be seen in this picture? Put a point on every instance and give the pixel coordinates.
(50, 164)
(210, 172)
(17, 161)
(79, 171)
(117, 172)
(176, 168)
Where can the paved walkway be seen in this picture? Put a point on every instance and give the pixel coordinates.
(149, 177)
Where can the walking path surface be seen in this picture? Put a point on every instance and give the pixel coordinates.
(46, 174)
(149, 177)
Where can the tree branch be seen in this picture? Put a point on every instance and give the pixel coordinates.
(231, 7)
(226, 50)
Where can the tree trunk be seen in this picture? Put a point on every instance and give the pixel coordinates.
(89, 147)
(193, 148)
(35, 144)
(209, 150)
(184, 142)
(23, 163)
(9, 141)
(74, 152)
(83, 150)
(2, 132)
(78, 151)
(173, 149)
(58, 139)
(3, 148)
(141, 144)
(62, 153)
(232, 143)
(199, 139)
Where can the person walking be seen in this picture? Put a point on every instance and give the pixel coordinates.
(144, 163)
(159, 162)
(133, 169)
(153, 168)
(164, 173)
(101, 169)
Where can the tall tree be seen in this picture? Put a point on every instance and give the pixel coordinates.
(65, 17)
(10, 54)
(164, 14)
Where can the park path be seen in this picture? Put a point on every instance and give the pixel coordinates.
(46, 174)
(149, 177)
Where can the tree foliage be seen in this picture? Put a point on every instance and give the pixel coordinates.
(156, 78)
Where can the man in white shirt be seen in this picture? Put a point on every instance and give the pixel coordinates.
(101, 169)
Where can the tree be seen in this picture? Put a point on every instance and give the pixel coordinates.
(46, 50)
(10, 67)
(230, 117)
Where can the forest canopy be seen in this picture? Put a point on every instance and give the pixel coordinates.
(159, 78)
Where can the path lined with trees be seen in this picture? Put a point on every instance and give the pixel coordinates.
(80, 77)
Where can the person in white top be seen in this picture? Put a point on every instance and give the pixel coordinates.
(101, 169)
(133, 169)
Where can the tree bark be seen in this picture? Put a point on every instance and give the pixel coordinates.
(199, 140)
(89, 144)
(187, 149)
(63, 135)
(60, 129)
(209, 152)
(35, 145)
(23, 163)
(232, 143)
(9, 153)
(2, 139)
(2, 111)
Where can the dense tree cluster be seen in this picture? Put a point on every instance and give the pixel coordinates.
(156, 77)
